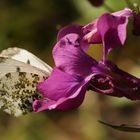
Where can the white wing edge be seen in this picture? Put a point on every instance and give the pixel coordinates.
(9, 65)
(26, 57)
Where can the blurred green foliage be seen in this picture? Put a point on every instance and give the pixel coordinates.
(33, 25)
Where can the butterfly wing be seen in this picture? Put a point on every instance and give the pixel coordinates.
(18, 80)
(8, 65)
(18, 91)
(26, 57)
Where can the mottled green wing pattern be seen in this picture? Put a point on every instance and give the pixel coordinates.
(18, 91)
(20, 71)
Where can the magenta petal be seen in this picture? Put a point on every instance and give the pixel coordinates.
(58, 85)
(112, 30)
(125, 13)
(69, 56)
(40, 105)
(73, 28)
(62, 103)
(62, 91)
(91, 34)
(110, 80)
(109, 29)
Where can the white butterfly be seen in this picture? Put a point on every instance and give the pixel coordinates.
(20, 71)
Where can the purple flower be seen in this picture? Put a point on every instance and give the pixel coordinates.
(65, 88)
(61, 91)
(110, 80)
(96, 2)
(109, 29)
(76, 72)
(75, 29)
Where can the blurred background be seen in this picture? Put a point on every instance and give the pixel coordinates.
(33, 25)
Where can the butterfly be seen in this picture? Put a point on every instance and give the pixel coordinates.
(20, 71)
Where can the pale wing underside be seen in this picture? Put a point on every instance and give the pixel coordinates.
(20, 71)
(8, 65)
(18, 91)
(26, 57)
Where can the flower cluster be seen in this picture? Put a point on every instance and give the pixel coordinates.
(76, 72)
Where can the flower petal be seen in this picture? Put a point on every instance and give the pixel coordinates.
(69, 56)
(91, 34)
(112, 30)
(63, 91)
(126, 12)
(109, 29)
(58, 85)
(73, 29)
(110, 80)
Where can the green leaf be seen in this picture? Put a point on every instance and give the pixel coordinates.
(123, 127)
